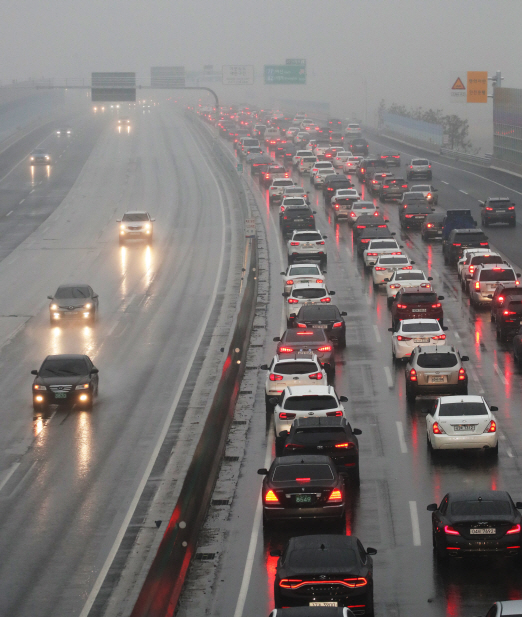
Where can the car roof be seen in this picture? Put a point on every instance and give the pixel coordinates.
(136, 212)
(305, 231)
(511, 607)
(309, 390)
(475, 494)
(502, 266)
(305, 459)
(433, 349)
(308, 285)
(287, 358)
(462, 398)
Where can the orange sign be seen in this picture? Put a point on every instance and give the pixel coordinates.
(458, 85)
(477, 87)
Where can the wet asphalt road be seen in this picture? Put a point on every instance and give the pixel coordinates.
(398, 476)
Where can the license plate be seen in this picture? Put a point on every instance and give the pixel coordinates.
(70, 314)
(298, 220)
(418, 310)
(501, 211)
(463, 427)
(439, 233)
(437, 379)
(323, 604)
(303, 499)
(421, 340)
(321, 326)
(489, 531)
(60, 395)
(419, 217)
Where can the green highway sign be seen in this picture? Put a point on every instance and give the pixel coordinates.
(285, 74)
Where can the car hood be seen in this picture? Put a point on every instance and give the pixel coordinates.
(75, 302)
(68, 380)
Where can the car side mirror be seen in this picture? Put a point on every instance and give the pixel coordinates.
(430, 278)
(314, 212)
(464, 358)
(433, 209)
(440, 297)
(343, 313)
(357, 431)
(371, 551)
(35, 372)
(493, 408)
(276, 339)
(386, 280)
(324, 238)
(94, 371)
(283, 434)
(283, 273)
(393, 233)
(49, 297)
(432, 507)
(153, 220)
(445, 328)
(264, 367)
(118, 220)
(262, 472)
(401, 246)
(324, 272)
(276, 553)
(412, 262)
(343, 399)
(518, 505)
(332, 293)
(274, 401)
(285, 294)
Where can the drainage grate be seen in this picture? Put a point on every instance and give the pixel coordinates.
(239, 421)
(220, 502)
(245, 392)
(205, 556)
(231, 459)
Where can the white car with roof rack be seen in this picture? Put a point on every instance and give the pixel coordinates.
(298, 155)
(378, 247)
(413, 332)
(304, 245)
(305, 294)
(276, 189)
(408, 279)
(302, 273)
(386, 265)
(361, 207)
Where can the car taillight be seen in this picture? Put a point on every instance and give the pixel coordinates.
(451, 531)
(286, 350)
(335, 414)
(271, 497)
(274, 377)
(437, 429)
(361, 226)
(385, 186)
(402, 306)
(337, 206)
(319, 281)
(360, 581)
(403, 338)
(345, 446)
(374, 181)
(290, 282)
(492, 428)
(293, 300)
(372, 254)
(511, 208)
(353, 214)
(290, 583)
(302, 325)
(484, 244)
(321, 242)
(365, 241)
(425, 285)
(462, 374)
(326, 299)
(283, 415)
(439, 337)
(429, 225)
(471, 269)
(457, 244)
(489, 208)
(438, 305)
(397, 253)
(293, 446)
(335, 495)
(394, 286)
(509, 313)
(407, 268)
(409, 216)
(477, 285)
(379, 268)
(404, 186)
(413, 375)
(317, 376)
(325, 348)
(294, 243)
(514, 529)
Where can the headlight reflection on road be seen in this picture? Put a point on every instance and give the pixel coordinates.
(56, 340)
(88, 336)
(149, 271)
(84, 443)
(123, 265)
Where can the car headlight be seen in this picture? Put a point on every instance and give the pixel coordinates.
(46, 158)
(32, 158)
(147, 226)
(122, 226)
(87, 306)
(82, 386)
(38, 387)
(54, 307)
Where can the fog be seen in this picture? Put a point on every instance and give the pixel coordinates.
(401, 50)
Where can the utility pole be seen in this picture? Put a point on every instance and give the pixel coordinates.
(496, 82)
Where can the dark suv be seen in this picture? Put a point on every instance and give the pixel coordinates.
(502, 293)
(359, 146)
(332, 183)
(498, 210)
(371, 165)
(297, 217)
(327, 318)
(431, 227)
(416, 304)
(509, 319)
(460, 239)
(414, 215)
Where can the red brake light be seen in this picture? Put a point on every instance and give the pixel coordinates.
(403, 338)
(344, 445)
(317, 376)
(302, 325)
(290, 282)
(439, 337)
(450, 530)
(484, 244)
(271, 497)
(438, 305)
(413, 375)
(511, 208)
(457, 244)
(323, 348)
(288, 349)
(293, 301)
(429, 225)
(321, 242)
(283, 415)
(372, 254)
(326, 300)
(492, 428)
(402, 306)
(462, 374)
(379, 268)
(338, 324)
(319, 281)
(303, 480)
(500, 299)
(335, 495)
(509, 313)
(294, 243)
(489, 208)
(385, 186)
(290, 583)
(514, 529)
(477, 285)
(336, 414)
(274, 377)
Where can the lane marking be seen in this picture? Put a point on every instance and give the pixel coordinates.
(415, 523)
(254, 536)
(509, 453)
(154, 455)
(389, 377)
(8, 475)
(21, 201)
(498, 371)
(463, 192)
(9, 213)
(457, 336)
(402, 441)
(377, 335)
(444, 182)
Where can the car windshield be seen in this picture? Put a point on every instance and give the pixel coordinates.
(324, 313)
(283, 182)
(302, 473)
(480, 508)
(295, 191)
(303, 270)
(437, 360)
(309, 159)
(500, 204)
(421, 327)
(295, 202)
(72, 292)
(312, 402)
(486, 259)
(308, 237)
(497, 274)
(363, 207)
(63, 368)
(135, 216)
(309, 293)
(470, 236)
(475, 408)
(324, 432)
(304, 337)
(393, 261)
(420, 162)
(419, 298)
(410, 276)
(382, 244)
(295, 368)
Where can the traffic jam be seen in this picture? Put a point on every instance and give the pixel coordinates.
(369, 253)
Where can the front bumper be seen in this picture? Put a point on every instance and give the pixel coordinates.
(66, 315)
(73, 397)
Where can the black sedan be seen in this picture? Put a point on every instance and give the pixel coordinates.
(302, 487)
(369, 221)
(323, 317)
(372, 233)
(73, 301)
(333, 437)
(476, 522)
(65, 379)
(325, 570)
(297, 340)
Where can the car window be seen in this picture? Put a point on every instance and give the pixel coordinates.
(383, 244)
(486, 259)
(393, 261)
(409, 276)
(421, 327)
(308, 237)
(302, 473)
(418, 298)
(72, 292)
(135, 216)
(305, 336)
(420, 162)
(437, 360)
(295, 368)
(480, 508)
(497, 274)
(309, 293)
(471, 408)
(316, 312)
(324, 432)
(295, 202)
(312, 402)
(303, 270)
(55, 367)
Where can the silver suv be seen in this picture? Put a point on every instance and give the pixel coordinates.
(485, 279)
(435, 370)
(419, 168)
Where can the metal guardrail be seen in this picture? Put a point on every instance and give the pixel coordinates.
(466, 157)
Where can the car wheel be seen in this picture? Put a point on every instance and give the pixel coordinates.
(517, 359)
(493, 452)
(342, 342)
(280, 446)
(355, 477)
(492, 316)
(266, 525)
(268, 406)
(440, 552)
(410, 394)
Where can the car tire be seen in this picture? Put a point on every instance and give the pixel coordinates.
(493, 452)
(268, 406)
(492, 316)
(410, 393)
(440, 552)
(517, 359)
(342, 342)
(355, 477)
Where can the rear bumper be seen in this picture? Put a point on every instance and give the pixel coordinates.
(280, 514)
(464, 442)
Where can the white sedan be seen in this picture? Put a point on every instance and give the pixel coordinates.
(404, 279)
(302, 273)
(361, 207)
(351, 164)
(340, 158)
(413, 332)
(378, 247)
(386, 266)
(347, 194)
(304, 294)
(462, 423)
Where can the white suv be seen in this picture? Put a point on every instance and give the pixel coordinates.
(485, 279)
(276, 189)
(136, 225)
(303, 402)
(304, 294)
(305, 245)
(319, 172)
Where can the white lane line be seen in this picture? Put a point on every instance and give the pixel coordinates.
(509, 453)
(8, 475)
(113, 327)
(415, 523)
(154, 455)
(444, 182)
(402, 441)
(457, 336)
(249, 564)
(389, 377)
(498, 371)
(31, 191)
(368, 300)
(377, 335)
(463, 192)
(21, 201)
(9, 213)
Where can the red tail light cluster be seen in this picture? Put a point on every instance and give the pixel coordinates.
(283, 415)
(462, 374)
(274, 377)
(336, 414)
(437, 429)
(451, 531)
(317, 376)
(492, 428)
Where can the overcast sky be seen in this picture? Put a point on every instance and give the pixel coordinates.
(405, 50)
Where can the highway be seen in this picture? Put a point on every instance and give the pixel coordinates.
(398, 475)
(74, 484)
